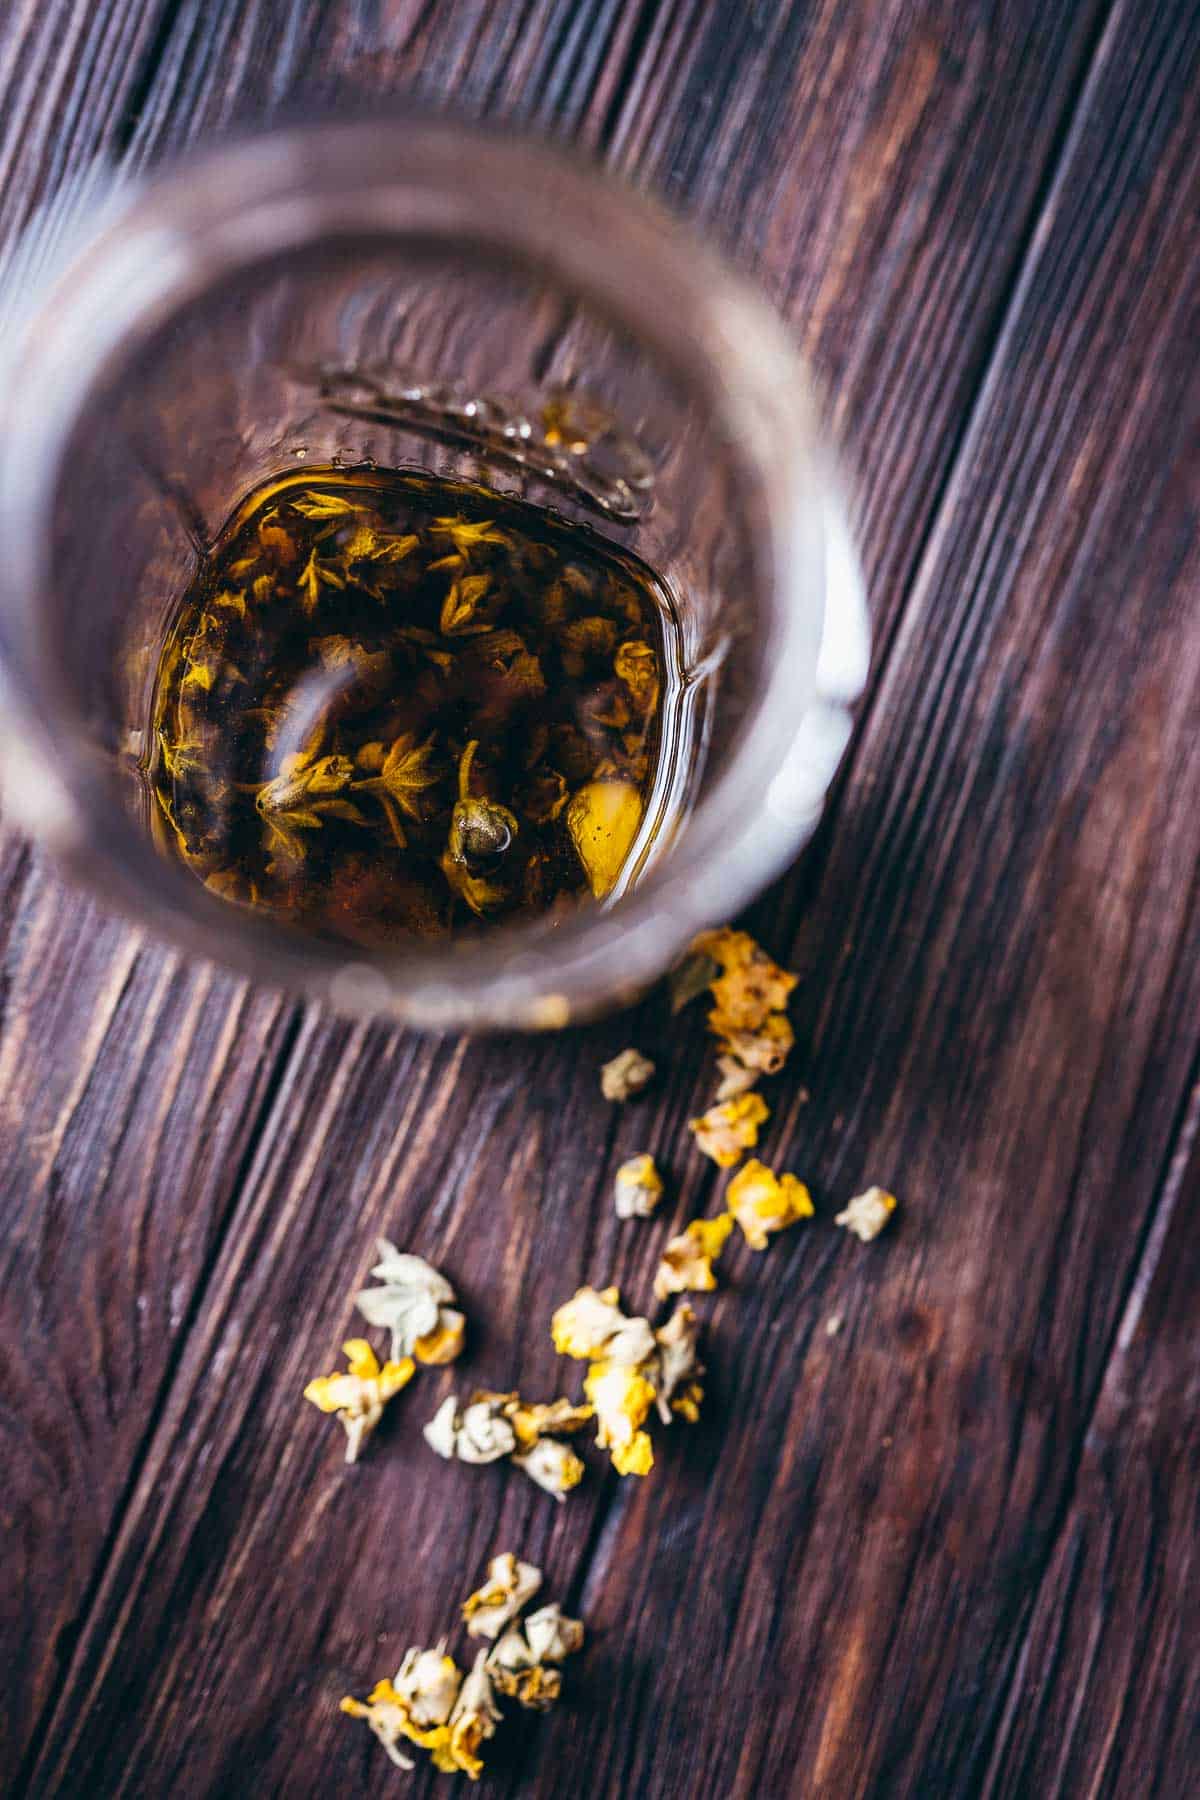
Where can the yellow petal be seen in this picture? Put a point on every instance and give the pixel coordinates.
(361, 1360)
(636, 1458)
(603, 820)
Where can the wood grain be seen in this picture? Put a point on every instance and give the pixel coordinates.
(847, 1578)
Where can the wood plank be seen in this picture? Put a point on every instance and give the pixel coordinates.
(1108, 1696)
(112, 1058)
(251, 1575)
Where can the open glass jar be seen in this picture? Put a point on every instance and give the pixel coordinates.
(412, 294)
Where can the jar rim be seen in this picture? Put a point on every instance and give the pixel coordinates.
(160, 242)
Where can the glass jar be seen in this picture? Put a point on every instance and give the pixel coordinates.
(407, 292)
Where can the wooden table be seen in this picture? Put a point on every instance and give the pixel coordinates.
(952, 1550)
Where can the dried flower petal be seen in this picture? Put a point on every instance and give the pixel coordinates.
(763, 1202)
(386, 1715)
(510, 1586)
(638, 1188)
(531, 1422)
(724, 1131)
(626, 1075)
(415, 1304)
(478, 1434)
(687, 1260)
(750, 985)
(637, 666)
(622, 1397)
(359, 1396)
(472, 1722)
(592, 1325)
(551, 1635)
(679, 1367)
(736, 1078)
(765, 1050)
(427, 1684)
(867, 1214)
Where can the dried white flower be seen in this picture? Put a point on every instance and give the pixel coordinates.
(416, 1304)
(510, 1586)
(478, 1434)
(638, 1188)
(553, 1465)
(867, 1214)
(626, 1075)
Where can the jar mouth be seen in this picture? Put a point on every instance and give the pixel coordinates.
(162, 244)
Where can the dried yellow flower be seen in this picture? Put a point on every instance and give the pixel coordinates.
(765, 1049)
(636, 664)
(553, 1465)
(522, 1661)
(763, 1202)
(308, 790)
(679, 1367)
(316, 574)
(750, 985)
(724, 1131)
(387, 1717)
(472, 1722)
(687, 1260)
(359, 1396)
(533, 1421)
(468, 534)
(867, 1214)
(626, 1075)
(622, 1397)
(591, 1324)
(510, 1586)
(416, 1304)
(638, 1188)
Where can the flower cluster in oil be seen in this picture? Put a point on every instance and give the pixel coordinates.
(393, 705)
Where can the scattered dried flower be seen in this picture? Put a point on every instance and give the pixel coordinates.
(687, 1261)
(833, 1324)
(510, 1586)
(679, 1367)
(553, 1465)
(724, 1131)
(626, 1075)
(521, 1663)
(736, 1078)
(427, 1685)
(763, 1202)
(387, 1717)
(591, 1325)
(472, 1722)
(478, 1434)
(622, 1397)
(493, 1426)
(867, 1214)
(638, 1188)
(416, 1304)
(359, 1396)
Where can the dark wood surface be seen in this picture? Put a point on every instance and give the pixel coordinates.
(952, 1550)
